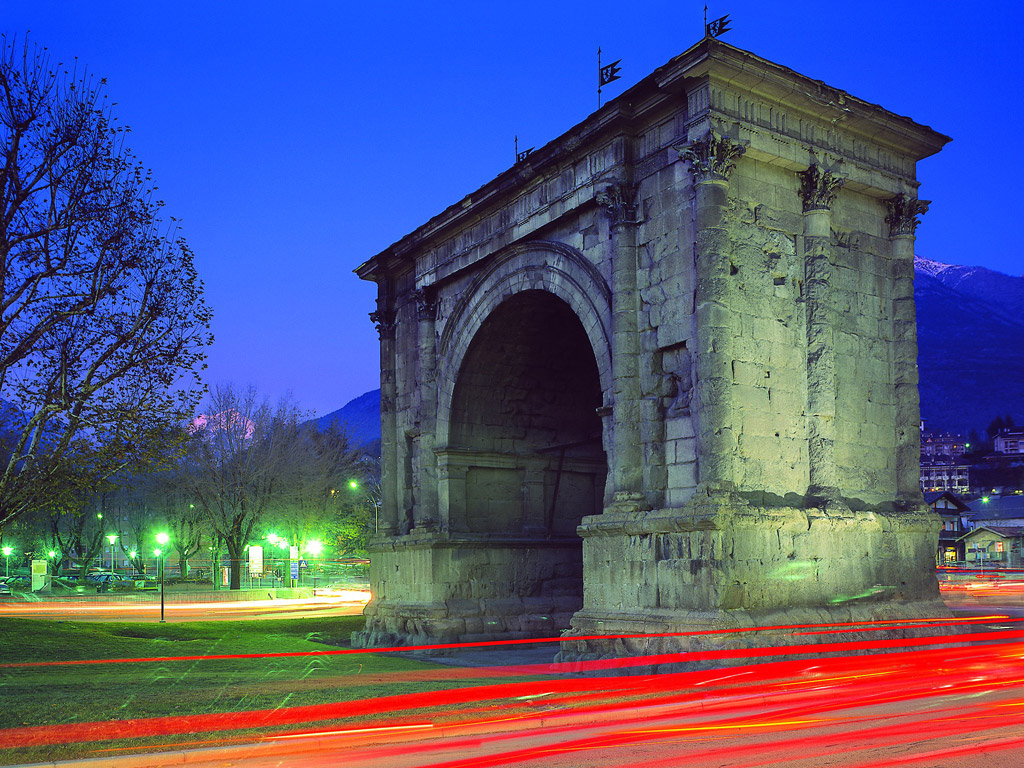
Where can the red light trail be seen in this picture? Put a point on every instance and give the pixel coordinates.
(847, 701)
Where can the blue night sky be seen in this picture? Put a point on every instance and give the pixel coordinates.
(296, 140)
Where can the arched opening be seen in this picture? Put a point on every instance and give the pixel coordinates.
(525, 426)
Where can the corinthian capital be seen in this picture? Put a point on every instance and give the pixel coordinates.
(384, 320)
(818, 188)
(426, 302)
(617, 199)
(903, 213)
(711, 158)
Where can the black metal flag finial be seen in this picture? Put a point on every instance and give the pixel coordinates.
(605, 74)
(520, 156)
(610, 72)
(716, 27)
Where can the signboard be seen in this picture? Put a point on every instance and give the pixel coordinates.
(255, 560)
(293, 554)
(40, 581)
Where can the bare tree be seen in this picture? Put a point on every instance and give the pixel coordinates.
(168, 504)
(240, 457)
(316, 498)
(102, 318)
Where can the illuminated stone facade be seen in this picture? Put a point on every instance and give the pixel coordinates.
(661, 374)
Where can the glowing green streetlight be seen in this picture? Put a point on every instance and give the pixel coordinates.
(7, 560)
(112, 537)
(273, 538)
(314, 548)
(162, 538)
(353, 484)
(52, 554)
(156, 552)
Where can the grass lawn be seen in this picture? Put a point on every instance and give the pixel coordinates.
(71, 694)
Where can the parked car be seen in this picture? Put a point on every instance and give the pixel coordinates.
(105, 581)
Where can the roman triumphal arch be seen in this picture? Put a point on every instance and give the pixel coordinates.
(660, 375)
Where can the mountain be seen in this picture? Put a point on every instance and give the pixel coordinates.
(360, 417)
(970, 333)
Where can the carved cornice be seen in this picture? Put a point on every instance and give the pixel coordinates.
(426, 303)
(711, 158)
(903, 213)
(618, 200)
(819, 188)
(385, 322)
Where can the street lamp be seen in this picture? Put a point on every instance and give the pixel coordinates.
(7, 560)
(112, 537)
(161, 539)
(314, 548)
(354, 485)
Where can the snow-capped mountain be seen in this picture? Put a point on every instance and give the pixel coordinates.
(970, 331)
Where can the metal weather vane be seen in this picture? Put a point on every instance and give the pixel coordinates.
(520, 156)
(605, 74)
(717, 27)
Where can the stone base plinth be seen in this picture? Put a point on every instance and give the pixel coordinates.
(660, 634)
(435, 588)
(713, 567)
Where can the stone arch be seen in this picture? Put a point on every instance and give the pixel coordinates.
(540, 265)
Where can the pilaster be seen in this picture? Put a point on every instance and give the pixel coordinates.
(384, 320)
(903, 220)
(712, 159)
(626, 460)
(818, 189)
(426, 511)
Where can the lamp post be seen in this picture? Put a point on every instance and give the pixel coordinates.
(314, 548)
(354, 485)
(161, 539)
(7, 560)
(112, 537)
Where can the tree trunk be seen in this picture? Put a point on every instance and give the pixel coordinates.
(235, 554)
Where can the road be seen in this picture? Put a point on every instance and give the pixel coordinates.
(953, 702)
(146, 608)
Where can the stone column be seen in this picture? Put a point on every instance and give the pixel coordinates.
(384, 319)
(626, 461)
(712, 158)
(903, 221)
(818, 189)
(426, 513)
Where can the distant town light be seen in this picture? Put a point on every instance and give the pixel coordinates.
(984, 499)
